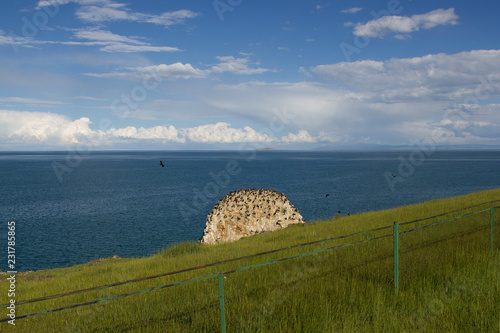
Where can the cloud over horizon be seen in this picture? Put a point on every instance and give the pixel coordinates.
(400, 100)
(188, 73)
(46, 128)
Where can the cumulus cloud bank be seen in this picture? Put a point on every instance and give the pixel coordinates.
(408, 99)
(397, 101)
(437, 77)
(44, 128)
(41, 127)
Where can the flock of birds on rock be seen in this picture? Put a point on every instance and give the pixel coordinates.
(246, 212)
(260, 191)
(250, 202)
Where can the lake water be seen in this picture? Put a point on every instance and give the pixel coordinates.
(71, 208)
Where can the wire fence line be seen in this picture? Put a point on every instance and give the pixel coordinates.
(439, 222)
(193, 268)
(450, 212)
(395, 234)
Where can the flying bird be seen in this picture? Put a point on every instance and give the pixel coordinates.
(162, 165)
(327, 195)
(394, 176)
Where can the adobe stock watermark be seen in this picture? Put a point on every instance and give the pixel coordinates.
(417, 156)
(32, 26)
(11, 264)
(221, 179)
(130, 102)
(291, 281)
(92, 313)
(79, 151)
(122, 107)
(394, 7)
(223, 6)
(437, 306)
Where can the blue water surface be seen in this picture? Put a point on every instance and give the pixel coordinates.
(71, 208)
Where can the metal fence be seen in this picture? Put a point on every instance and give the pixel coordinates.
(417, 225)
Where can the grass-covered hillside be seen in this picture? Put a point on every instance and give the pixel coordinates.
(449, 281)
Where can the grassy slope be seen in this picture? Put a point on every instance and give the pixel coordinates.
(449, 281)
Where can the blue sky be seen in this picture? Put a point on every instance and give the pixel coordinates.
(231, 74)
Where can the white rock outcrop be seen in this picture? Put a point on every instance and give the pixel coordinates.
(247, 212)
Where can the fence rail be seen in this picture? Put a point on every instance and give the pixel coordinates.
(395, 234)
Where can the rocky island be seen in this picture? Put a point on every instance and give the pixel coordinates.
(246, 212)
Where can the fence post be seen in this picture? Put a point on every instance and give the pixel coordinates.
(491, 229)
(396, 256)
(221, 300)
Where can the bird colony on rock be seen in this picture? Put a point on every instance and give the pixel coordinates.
(247, 212)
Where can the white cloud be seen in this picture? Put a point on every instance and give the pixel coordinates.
(89, 98)
(223, 133)
(436, 17)
(436, 77)
(168, 18)
(235, 66)
(301, 136)
(308, 105)
(21, 127)
(174, 71)
(114, 47)
(103, 13)
(98, 11)
(45, 3)
(288, 113)
(14, 40)
(41, 127)
(352, 10)
(399, 25)
(104, 36)
(112, 42)
(178, 70)
(109, 42)
(377, 99)
(25, 100)
(304, 71)
(454, 131)
(407, 100)
(158, 133)
(127, 48)
(330, 136)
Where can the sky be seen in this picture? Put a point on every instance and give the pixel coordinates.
(239, 74)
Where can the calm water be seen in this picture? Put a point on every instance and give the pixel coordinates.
(69, 210)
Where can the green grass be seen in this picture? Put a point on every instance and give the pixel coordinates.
(449, 281)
